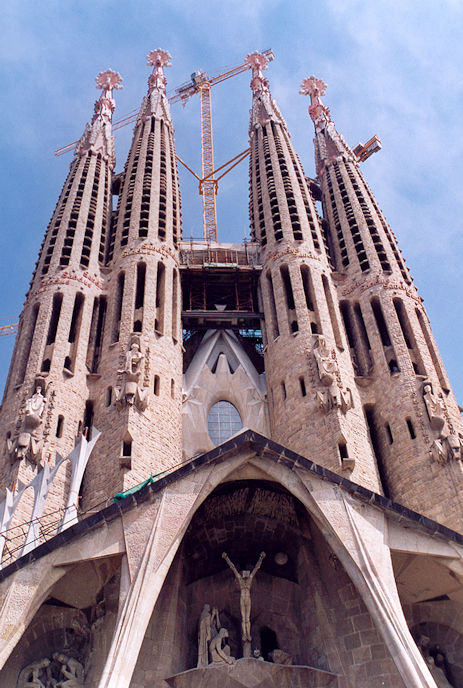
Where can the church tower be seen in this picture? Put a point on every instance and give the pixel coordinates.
(136, 370)
(413, 419)
(45, 406)
(314, 402)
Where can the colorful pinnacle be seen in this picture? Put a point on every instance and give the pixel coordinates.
(158, 59)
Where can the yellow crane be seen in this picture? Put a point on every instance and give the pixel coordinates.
(201, 83)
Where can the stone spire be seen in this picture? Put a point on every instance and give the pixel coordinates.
(329, 144)
(98, 134)
(264, 108)
(155, 102)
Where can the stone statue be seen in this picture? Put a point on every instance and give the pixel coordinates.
(28, 443)
(30, 676)
(220, 651)
(438, 674)
(209, 625)
(435, 408)
(72, 671)
(132, 392)
(447, 448)
(280, 657)
(257, 655)
(329, 399)
(245, 581)
(327, 366)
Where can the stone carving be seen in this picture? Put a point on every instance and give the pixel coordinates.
(435, 408)
(219, 649)
(335, 398)
(280, 657)
(209, 625)
(326, 364)
(245, 581)
(131, 393)
(257, 655)
(446, 449)
(438, 674)
(72, 672)
(59, 672)
(28, 443)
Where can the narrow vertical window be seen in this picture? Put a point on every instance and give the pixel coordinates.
(156, 385)
(88, 420)
(96, 333)
(291, 306)
(432, 351)
(160, 298)
(303, 387)
(378, 446)
(109, 396)
(28, 343)
(55, 313)
(59, 426)
(174, 305)
(332, 312)
(139, 297)
(172, 388)
(380, 322)
(273, 310)
(283, 390)
(411, 429)
(74, 331)
(118, 307)
(408, 336)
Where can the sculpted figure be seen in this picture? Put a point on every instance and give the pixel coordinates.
(131, 392)
(434, 407)
(30, 676)
(204, 636)
(28, 443)
(220, 650)
(72, 671)
(245, 581)
(438, 674)
(327, 366)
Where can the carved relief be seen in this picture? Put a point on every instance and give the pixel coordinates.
(447, 446)
(27, 443)
(132, 392)
(326, 363)
(335, 398)
(435, 408)
(59, 672)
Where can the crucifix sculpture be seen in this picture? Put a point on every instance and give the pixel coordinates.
(245, 579)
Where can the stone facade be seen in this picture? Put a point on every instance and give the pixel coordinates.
(304, 414)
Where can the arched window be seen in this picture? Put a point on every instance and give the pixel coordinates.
(223, 422)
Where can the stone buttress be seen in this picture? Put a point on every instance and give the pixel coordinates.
(413, 418)
(314, 403)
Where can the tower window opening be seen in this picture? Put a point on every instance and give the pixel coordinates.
(109, 396)
(380, 322)
(55, 313)
(160, 298)
(172, 388)
(59, 426)
(88, 420)
(118, 306)
(308, 287)
(343, 453)
(411, 429)
(346, 313)
(303, 387)
(393, 366)
(28, 343)
(409, 337)
(76, 317)
(223, 421)
(377, 445)
(156, 385)
(283, 391)
(432, 351)
(362, 326)
(45, 368)
(286, 279)
(273, 310)
(140, 288)
(389, 433)
(174, 306)
(96, 333)
(332, 312)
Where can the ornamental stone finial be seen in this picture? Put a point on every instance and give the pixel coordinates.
(315, 88)
(158, 59)
(258, 62)
(105, 105)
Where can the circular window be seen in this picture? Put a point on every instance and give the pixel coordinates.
(223, 422)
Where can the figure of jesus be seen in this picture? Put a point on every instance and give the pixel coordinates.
(245, 581)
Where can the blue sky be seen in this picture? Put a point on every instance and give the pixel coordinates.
(393, 67)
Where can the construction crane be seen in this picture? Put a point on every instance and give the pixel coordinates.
(201, 83)
(8, 329)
